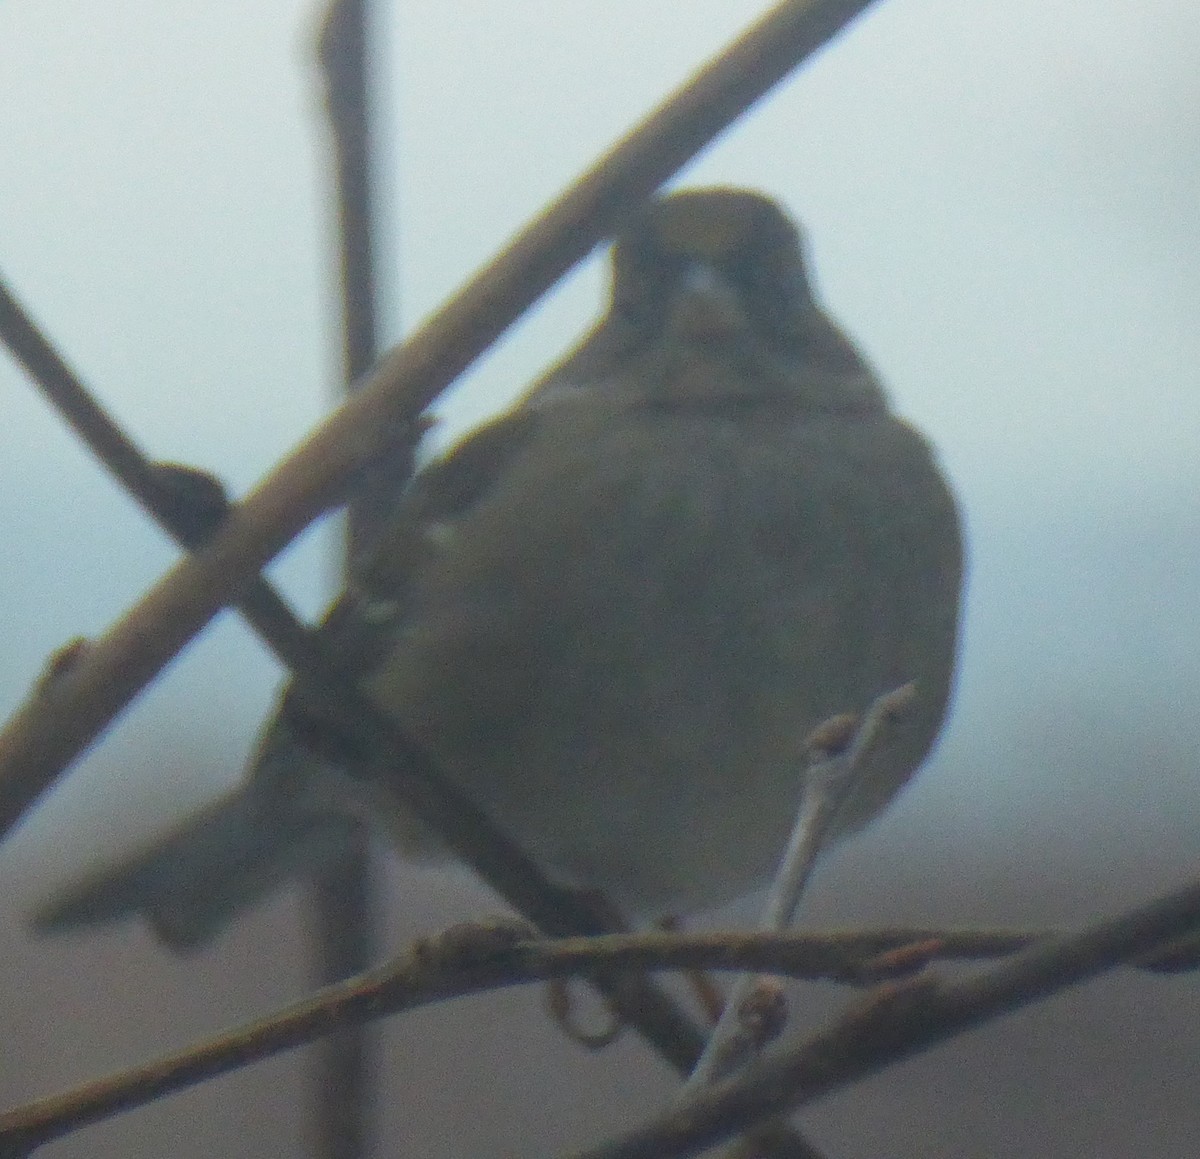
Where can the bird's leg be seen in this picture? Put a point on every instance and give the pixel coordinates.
(559, 1002)
(560, 1005)
(561, 1008)
(836, 750)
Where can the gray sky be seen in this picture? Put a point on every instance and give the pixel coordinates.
(1001, 206)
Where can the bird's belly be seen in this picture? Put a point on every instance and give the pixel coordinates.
(631, 705)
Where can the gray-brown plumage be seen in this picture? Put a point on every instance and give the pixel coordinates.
(614, 613)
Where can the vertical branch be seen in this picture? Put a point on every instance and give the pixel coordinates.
(342, 52)
(343, 899)
(344, 49)
(342, 905)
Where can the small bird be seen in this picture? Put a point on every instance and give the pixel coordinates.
(614, 613)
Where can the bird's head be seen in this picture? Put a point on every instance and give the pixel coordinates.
(717, 277)
(711, 264)
(711, 305)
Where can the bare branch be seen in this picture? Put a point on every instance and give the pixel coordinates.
(343, 901)
(888, 1024)
(187, 503)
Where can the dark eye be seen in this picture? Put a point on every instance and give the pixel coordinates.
(642, 283)
(775, 286)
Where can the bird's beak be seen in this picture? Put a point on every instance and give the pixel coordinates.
(705, 306)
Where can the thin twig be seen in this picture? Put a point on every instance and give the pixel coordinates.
(828, 781)
(186, 503)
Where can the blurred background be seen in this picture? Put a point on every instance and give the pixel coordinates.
(1001, 207)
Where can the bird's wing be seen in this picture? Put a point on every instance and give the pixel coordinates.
(361, 626)
(189, 884)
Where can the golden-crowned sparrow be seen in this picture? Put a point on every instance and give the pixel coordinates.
(614, 613)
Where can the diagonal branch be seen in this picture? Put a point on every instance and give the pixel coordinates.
(831, 775)
(184, 503)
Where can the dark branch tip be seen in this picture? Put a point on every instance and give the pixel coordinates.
(196, 500)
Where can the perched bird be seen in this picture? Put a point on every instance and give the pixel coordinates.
(614, 613)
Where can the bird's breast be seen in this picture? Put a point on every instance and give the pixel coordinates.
(652, 612)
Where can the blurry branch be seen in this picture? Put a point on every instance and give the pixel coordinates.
(187, 503)
(342, 901)
(342, 56)
(62, 388)
(64, 715)
(891, 1022)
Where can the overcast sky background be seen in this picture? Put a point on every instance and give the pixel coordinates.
(1001, 206)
